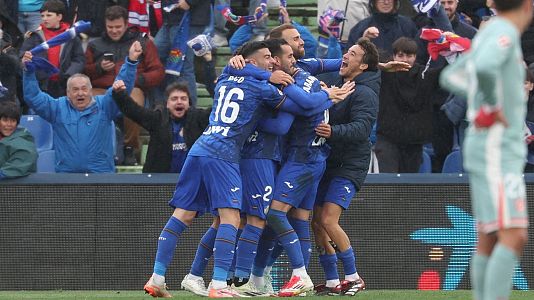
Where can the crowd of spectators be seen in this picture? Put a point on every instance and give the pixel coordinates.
(414, 115)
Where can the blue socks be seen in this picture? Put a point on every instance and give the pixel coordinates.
(302, 228)
(247, 247)
(349, 261)
(168, 239)
(204, 252)
(224, 249)
(287, 237)
(265, 247)
(329, 264)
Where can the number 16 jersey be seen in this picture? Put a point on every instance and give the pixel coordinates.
(234, 116)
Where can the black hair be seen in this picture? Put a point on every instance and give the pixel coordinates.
(55, 6)
(405, 45)
(275, 46)
(10, 109)
(370, 58)
(250, 48)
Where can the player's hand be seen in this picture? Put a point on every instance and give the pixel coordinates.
(487, 116)
(107, 65)
(323, 85)
(119, 86)
(281, 77)
(324, 130)
(135, 51)
(27, 57)
(395, 66)
(339, 94)
(237, 62)
(371, 33)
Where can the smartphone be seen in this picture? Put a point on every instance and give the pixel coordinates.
(109, 56)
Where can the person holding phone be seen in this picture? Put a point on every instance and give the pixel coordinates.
(68, 58)
(105, 56)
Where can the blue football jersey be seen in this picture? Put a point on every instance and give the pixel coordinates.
(303, 144)
(234, 115)
(262, 145)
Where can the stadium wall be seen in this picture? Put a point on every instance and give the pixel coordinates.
(99, 232)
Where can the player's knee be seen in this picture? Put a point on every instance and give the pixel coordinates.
(275, 221)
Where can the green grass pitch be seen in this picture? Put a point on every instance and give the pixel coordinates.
(365, 295)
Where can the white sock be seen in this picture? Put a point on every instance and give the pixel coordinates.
(352, 277)
(332, 283)
(194, 277)
(257, 281)
(216, 284)
(300, 272)
(158, 279)
(267, 270)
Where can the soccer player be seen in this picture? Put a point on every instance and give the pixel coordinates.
(211, 171)
(491, 76)
(348, 134)
(211, 177)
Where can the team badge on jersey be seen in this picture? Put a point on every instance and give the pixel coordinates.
(504, 42)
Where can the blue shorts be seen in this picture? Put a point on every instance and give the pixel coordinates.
(258, 183)
(296, 183)
(336, 190)
(206, 184)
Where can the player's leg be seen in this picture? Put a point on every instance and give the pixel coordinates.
(223, 184)
(194, 282)
(479, 263)
(512, 235)
(337, 198)
(231, 271)
(258, 183)
(263, 261)
(292, 185)
(186, 207)
(327, 254)
(299, 220)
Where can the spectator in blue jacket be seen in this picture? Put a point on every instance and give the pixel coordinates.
(82, 122)
(383, 27)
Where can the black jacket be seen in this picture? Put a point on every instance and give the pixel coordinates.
(352, 121)
(158, 123)
(391, 26)
(9, 76)
(405, 113)
(71, 58)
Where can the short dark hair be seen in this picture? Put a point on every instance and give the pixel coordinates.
(506, 5)
(275, 46)
(250, 48)
(276, 33)
(55, 6)
(116, 12)
(404, 45)
(9, 109)
(177, 86)
(370, 58)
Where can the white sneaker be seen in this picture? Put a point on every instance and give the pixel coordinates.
(219, 40)
(296, 285)
(249, 289)
(194, 285)
(267, 287)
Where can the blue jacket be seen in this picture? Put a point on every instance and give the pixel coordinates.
(352, 121)
(391, 27)
(82, 139)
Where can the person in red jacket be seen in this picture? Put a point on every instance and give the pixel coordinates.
(106, 54)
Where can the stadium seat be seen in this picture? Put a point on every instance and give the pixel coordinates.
(426, 164)
(46, 162)
(453, 163)
(40, 129)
